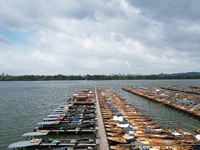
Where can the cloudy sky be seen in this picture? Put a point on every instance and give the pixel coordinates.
(82, 37)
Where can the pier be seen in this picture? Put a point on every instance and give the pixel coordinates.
(103, 142)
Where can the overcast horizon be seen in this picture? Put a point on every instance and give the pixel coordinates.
(49, 37)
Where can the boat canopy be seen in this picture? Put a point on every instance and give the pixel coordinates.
(48, 123)
(176, 133)
(24, 144)
(123, 125)
(50, 119)
(58, 110)
(198, 137)
(38, 133)
(54, 115)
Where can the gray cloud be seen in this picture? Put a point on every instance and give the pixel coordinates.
(169, 11)
(100, 37)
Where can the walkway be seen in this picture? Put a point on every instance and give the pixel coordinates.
(101, 129)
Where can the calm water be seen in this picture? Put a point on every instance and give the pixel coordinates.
(23, 104)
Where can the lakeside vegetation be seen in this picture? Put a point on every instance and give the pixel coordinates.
(189, 75)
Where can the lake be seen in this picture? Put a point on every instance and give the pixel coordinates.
(25, 103)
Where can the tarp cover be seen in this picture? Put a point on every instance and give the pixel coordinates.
(198, 136)
(38, 133)
(48, 122)
(24, 144)
(50, 119)
(123, 125)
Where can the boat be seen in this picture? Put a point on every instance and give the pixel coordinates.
(114, 129)
(48, 142)
(141, 123)
(117, 147)
(197, 130)
(117, 139)
(114, 134)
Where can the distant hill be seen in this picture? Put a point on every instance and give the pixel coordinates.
(187, 75)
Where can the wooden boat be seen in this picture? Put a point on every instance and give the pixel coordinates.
(136, 117)
(114, 123)
(110, 126)
(166, 136)
(184, 132)
(107, 113)
(114, 134)
(117, 139)
(108, 116)
(132, 113)
(140, 120)
(197, 130)
(155, 140)
(115, 130)
(117, 147)
(142, 123)
(161, 144)
(145, 127)
(155, 131)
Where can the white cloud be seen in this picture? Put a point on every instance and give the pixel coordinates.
(99, 37)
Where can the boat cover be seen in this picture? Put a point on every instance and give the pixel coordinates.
(24, 144)
(120, 118)
(54, 115)
(176, 133)
(48, 122)
(38, 133)
(50, 119)
(58, 110)
(198, 136)
(123, 125)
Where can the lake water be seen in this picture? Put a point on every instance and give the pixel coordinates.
(23, 104)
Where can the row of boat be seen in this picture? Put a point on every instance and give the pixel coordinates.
(70, 126)
(189, 89)
(183, 101)
(128, 128)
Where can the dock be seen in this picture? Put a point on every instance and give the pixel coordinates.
(103, 142)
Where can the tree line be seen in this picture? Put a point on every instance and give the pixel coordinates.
(99, 77)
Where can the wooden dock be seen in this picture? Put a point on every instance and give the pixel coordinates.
(103, 142)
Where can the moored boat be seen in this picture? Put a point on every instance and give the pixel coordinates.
(77, 117)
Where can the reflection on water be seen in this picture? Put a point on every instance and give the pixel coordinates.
(23, 104)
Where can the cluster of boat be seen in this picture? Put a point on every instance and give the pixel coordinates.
(189, 89)
(185, 101)
(128, 128)
(70, 126)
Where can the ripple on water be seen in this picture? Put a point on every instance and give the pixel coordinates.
(23, 104)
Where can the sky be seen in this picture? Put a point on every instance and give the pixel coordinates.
(79, 37)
